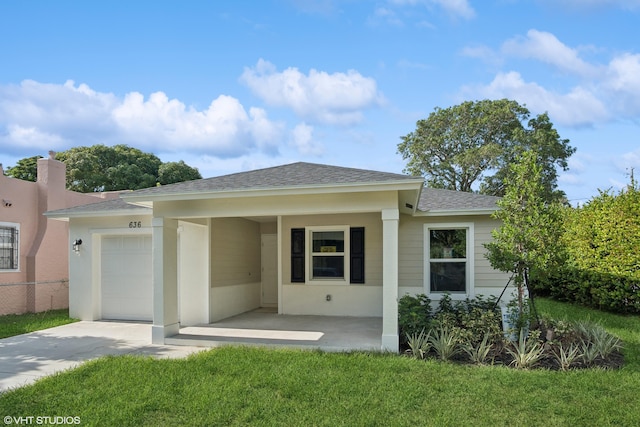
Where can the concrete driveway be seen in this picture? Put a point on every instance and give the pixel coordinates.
(26, 358)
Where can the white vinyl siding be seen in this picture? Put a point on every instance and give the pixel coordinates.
(487, 281)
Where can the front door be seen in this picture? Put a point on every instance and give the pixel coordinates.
(269, 270)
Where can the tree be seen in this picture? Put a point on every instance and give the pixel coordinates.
(551, 152)
(25, 169)
(172, 172)
(531, 227)
(457, 147)
(102, 168)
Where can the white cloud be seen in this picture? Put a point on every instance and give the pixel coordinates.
(577, 162)
(460, 8)
(483, 53)
(546, 47)
(56, 112)
(600, 92)
(337, 98)
(455, 8)
(581, 5)
(51, 116)
(577, 107)
(302, 140)
(383, 14)
(31, 137)
(567, 178)
(623, 82)
(629, 161)
(580, 166)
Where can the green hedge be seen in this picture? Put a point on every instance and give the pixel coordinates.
(602, 244)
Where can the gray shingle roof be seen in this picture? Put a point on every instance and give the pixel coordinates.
(292, 175)
(288, 176)
(105, 207)
(435, 199)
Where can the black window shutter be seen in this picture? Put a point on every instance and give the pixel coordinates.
(297, 255)
(357, 255)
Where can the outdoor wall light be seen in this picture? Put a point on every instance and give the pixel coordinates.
(76, 245)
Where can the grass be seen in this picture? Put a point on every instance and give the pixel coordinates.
(252, 386)
(17, 324)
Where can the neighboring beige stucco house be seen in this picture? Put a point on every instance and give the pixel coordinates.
(34, 250)
(305, 238)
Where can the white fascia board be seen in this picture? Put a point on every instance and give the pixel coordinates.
(282, 191)
(95, 214)
(456, 212)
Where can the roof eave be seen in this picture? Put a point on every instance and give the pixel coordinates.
(456, 212)
(94, 214)
(405, 184)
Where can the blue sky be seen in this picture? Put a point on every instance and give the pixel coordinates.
(236, 85)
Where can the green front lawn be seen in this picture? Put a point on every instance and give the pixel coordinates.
(252, 386)
(16, 324)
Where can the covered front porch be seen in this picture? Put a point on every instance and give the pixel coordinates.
(265, 327)
(207, 271)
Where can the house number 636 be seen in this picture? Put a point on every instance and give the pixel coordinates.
(135, 224)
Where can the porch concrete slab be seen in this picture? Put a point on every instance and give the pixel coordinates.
(264, 328)
(26, 358)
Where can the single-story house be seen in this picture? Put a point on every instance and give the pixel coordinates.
(307, 239)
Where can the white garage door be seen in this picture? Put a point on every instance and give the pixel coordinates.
(127, 292)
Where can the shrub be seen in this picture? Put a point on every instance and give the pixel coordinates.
(445, 341)
(479, 352)
(566, 357)
(601, 241)
(414, 315)
(419, 344)
(471, 330)
(596, 336)
(526, 352)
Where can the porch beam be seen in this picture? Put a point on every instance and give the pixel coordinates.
(390, 220)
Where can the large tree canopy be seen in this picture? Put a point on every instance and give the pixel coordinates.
(171, 172)
(102, 168)
(26, 169)
(475, 142)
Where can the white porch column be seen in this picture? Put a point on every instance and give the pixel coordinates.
(165, 279)
(390, 219)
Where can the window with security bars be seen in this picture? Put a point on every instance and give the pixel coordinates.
(8, 248)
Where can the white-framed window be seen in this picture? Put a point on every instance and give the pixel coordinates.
(328, 254)
(9, 246)
(448, 260)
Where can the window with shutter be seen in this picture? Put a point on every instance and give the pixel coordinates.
(297, 255)
(357, 255)
(327, 255)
